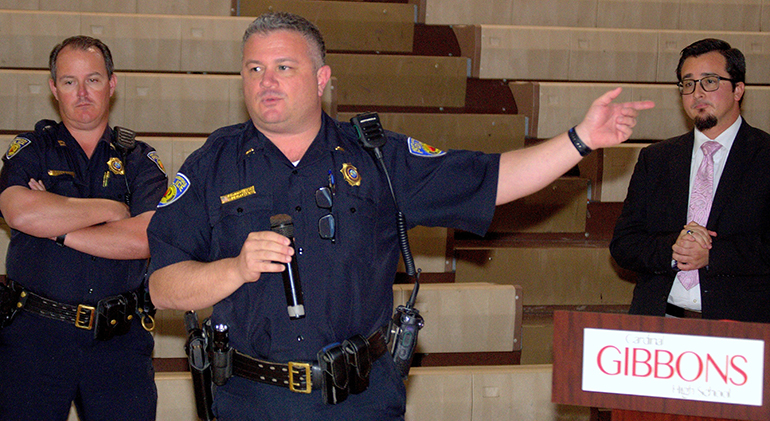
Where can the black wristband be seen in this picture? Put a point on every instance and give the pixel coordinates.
(581, 147)
(60, 240)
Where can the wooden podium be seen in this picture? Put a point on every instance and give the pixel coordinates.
(568, 346)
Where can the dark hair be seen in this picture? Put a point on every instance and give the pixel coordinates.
(276, 21)
(81, 42)
(736, 62)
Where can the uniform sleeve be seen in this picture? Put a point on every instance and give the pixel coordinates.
(455, 189)
(180, 229)
(149, 180)
(21, 162)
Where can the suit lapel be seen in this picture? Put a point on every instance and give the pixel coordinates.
(738, 162)
(679, 170)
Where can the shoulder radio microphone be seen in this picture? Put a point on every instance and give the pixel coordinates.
(406, 323)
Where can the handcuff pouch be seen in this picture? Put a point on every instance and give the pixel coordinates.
(333, 363)
(359, 363)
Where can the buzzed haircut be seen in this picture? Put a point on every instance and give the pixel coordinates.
(270, 22)
(81, 42)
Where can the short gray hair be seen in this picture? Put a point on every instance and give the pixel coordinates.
(275, 21)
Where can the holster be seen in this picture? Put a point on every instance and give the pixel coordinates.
(359, 363)
(9, 297)
(333, 363)
(200, 367)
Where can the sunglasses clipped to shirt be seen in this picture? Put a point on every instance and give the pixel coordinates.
(324, 199)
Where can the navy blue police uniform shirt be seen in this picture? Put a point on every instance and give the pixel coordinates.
(233, 185)
(55, 158)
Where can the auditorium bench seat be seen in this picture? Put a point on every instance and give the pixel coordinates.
(473, 317)
(594, 54)
(477, 393)
(188, 43)
(199, 104)
(553, 107)
(490, 133)
(719, 15)
(177, 7)
(491, 393)
(480, 317)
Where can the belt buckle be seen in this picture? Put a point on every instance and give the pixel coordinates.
(308, 379)
(82, 324)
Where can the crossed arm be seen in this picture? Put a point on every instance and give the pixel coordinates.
(99, 227)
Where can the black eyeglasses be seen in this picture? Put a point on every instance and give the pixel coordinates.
(708, 84)
(324, 200)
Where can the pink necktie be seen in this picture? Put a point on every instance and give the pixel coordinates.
(700, 202)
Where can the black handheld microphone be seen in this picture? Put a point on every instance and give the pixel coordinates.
(295, 304)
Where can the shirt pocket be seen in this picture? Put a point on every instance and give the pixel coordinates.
(359, 220)
(236, 219)
(63, 183)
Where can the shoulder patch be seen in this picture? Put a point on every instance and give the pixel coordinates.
(178, 187)
(423, 150)
(18, 144)
(154, 157)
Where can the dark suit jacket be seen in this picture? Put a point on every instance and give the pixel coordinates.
(736, 283)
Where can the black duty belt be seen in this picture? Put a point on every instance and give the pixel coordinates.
(81, 315)
(111, 316)
(298, 377)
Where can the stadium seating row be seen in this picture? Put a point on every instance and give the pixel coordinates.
(552, 107)
(162, 43)
(685, 15)
(719, 15)
(433, 394)
(178, 7)
(175, 103)
(184, 43)
(595, 54)
(471, 317)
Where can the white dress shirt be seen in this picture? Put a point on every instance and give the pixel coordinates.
(679, 296)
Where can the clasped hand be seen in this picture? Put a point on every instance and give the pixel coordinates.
(691, 250)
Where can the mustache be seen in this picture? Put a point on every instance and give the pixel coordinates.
(270, 93)
(699, 103)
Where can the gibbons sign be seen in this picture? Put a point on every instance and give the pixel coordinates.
(698, 368)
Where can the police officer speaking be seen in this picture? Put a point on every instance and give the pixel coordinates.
(78, 197)
(212, 242)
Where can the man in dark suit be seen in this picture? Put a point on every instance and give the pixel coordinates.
(718, 268)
